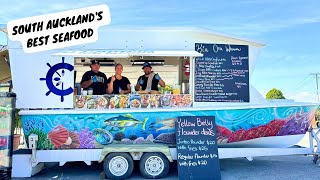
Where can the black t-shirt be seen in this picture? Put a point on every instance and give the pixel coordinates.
(154, 85)
(100, 87)
(122, 83)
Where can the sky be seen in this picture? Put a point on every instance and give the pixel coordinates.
(289, 29)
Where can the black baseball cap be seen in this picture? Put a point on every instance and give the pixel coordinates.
(146, 64)
(95, 62)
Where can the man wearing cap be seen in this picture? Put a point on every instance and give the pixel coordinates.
(95, 79)
(149, 81)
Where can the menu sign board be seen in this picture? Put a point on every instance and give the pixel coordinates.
(222, 74)
(5, 131)
(197, 149)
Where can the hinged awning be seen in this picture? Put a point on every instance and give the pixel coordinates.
(128, 53)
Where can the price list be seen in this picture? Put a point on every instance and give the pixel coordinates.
(197, 150)
(222, 74)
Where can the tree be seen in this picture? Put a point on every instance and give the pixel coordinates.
(274, 94)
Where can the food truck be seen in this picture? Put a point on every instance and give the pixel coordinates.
(206, 74)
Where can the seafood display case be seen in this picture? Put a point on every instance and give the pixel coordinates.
(133, 101)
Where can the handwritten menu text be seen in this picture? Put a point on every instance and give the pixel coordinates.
(222, 74)
(197, 150)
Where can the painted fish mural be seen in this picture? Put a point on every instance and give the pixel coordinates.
(167, 123)
(122, 122)
(72, 131)
(103, 136)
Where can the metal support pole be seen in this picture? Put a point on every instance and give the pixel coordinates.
(317, 86)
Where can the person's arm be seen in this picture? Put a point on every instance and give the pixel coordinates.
(110, 85)
(161, 82)
(106, 82)
(86, 84)
(86, 81)
(137, 87)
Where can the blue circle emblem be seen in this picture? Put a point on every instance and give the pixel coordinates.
(54, 82)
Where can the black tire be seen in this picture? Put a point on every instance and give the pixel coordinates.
(118, 166)
(154, 165)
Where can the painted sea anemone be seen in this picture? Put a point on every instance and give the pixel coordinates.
(86, 139)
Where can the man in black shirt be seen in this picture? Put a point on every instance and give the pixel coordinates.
(149, 81)
(95, 79)
(118, 84)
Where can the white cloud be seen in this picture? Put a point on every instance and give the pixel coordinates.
(304, 96)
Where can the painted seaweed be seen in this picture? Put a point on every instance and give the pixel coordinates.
(43, 142)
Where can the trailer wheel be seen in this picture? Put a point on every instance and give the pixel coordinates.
(154, 165)
(118, 166)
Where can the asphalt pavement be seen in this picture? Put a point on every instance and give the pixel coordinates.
(261, 168)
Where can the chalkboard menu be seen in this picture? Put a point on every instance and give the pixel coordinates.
(197, 149)
(222, 74)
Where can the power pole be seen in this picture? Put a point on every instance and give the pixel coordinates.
(317, 87)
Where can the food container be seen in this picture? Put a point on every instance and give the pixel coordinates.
(102, 102)
(145, 100)
(123, 101)
(176, 89)
(165, 101)
(135, 101)
(155, 100)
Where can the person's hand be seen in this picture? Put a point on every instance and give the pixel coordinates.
(113, 78)
(94, 79)
(157, 77)
(141, 82)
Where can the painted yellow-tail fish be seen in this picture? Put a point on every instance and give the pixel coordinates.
(122, 122)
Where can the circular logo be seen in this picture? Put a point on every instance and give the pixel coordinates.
(54, 79)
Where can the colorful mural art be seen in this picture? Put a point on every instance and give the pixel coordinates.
(96, 130)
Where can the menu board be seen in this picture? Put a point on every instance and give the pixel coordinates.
(197, 149)
(5, 131)
(222, 74)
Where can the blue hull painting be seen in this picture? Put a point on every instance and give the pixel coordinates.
(96, 130)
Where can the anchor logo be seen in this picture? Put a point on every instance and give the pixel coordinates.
(56, 73)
